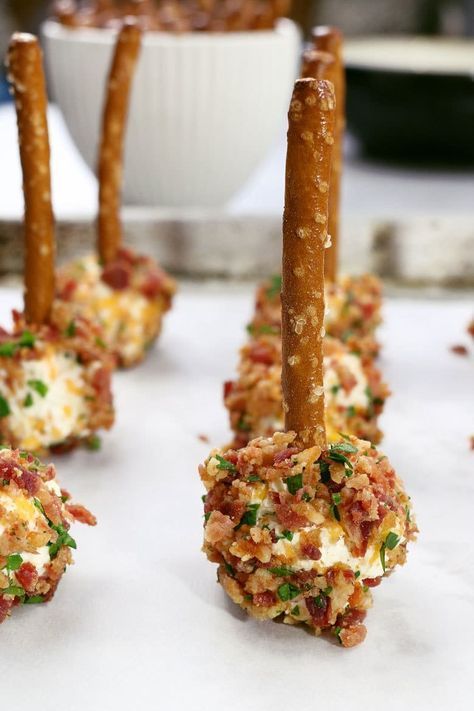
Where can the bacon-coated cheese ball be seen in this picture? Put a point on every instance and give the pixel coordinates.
(127, 298)
(352, 314)
(303, 535)
(354, 392)
(54, 383)
(35, 544)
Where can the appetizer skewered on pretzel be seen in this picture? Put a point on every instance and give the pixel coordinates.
(126, 293)
(35, 543)
(354, 302)
(301, 530)
(54, 370)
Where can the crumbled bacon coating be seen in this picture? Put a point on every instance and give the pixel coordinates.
(254, 400)
(35, 544)
(173, 15)
(75, 340)
(353, 314)
(127, 298)
(296, 533)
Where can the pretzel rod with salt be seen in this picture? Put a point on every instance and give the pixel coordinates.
(110, 165)
(308, 169)
(329, 39)
(25, 72)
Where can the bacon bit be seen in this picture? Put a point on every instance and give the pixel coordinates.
(264, 599)
(5, 606)
(367, 309)
(351, 618)
(289, 519)
(471, 442)
(218, 528)
(67, 290)
(261, 353)
(203, 438)
(470, 328)
(310, 551)
(234, 509)
(228, 388)
(101, 383)
(459, 350)
(27, 576)
(284, 455)
(372, 582)
(117, 275)
(81, 514)
(29, 481)
(153, 283)
(319, 612)
(352, 636)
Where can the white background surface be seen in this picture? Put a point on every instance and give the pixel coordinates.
(140, 623)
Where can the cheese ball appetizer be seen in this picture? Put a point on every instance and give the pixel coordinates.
(127, 299)
(126, 293)
(54, 368)
(302, 528)
(354, 391)
(35, 543)
(55, 383)
(304, 534)
(353, 310)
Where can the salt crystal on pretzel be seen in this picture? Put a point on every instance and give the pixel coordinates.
(126, 293)
(54, 370)
(35, 543)
(300, 530)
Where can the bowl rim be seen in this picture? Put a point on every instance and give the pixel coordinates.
(285, 28)
(403, 68)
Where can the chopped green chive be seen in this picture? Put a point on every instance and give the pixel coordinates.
(274, 288)
(282, 571)
(4, 407)
(296, 610)
(34, 599)
(39, 387)
(287, 591)
(357, 574)
(224, 464)
(351, 411)
(14, 561)
(27, 339)
(7, 349)
(94, 443)
(64, 539)
(287, 534)
(391, 541)
(28, 401)
(70, 330)
(250, 516)
(15, 590)
(294, 483)
(253, 477)
(229, 569)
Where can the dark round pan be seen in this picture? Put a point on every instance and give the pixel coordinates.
(405, 113)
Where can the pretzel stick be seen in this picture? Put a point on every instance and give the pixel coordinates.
(25, 72)
(329, 39)
(308, 169)
(111, 148)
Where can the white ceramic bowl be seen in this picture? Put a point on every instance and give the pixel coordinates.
(205, 108)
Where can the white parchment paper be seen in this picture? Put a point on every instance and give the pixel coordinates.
(140, 623)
